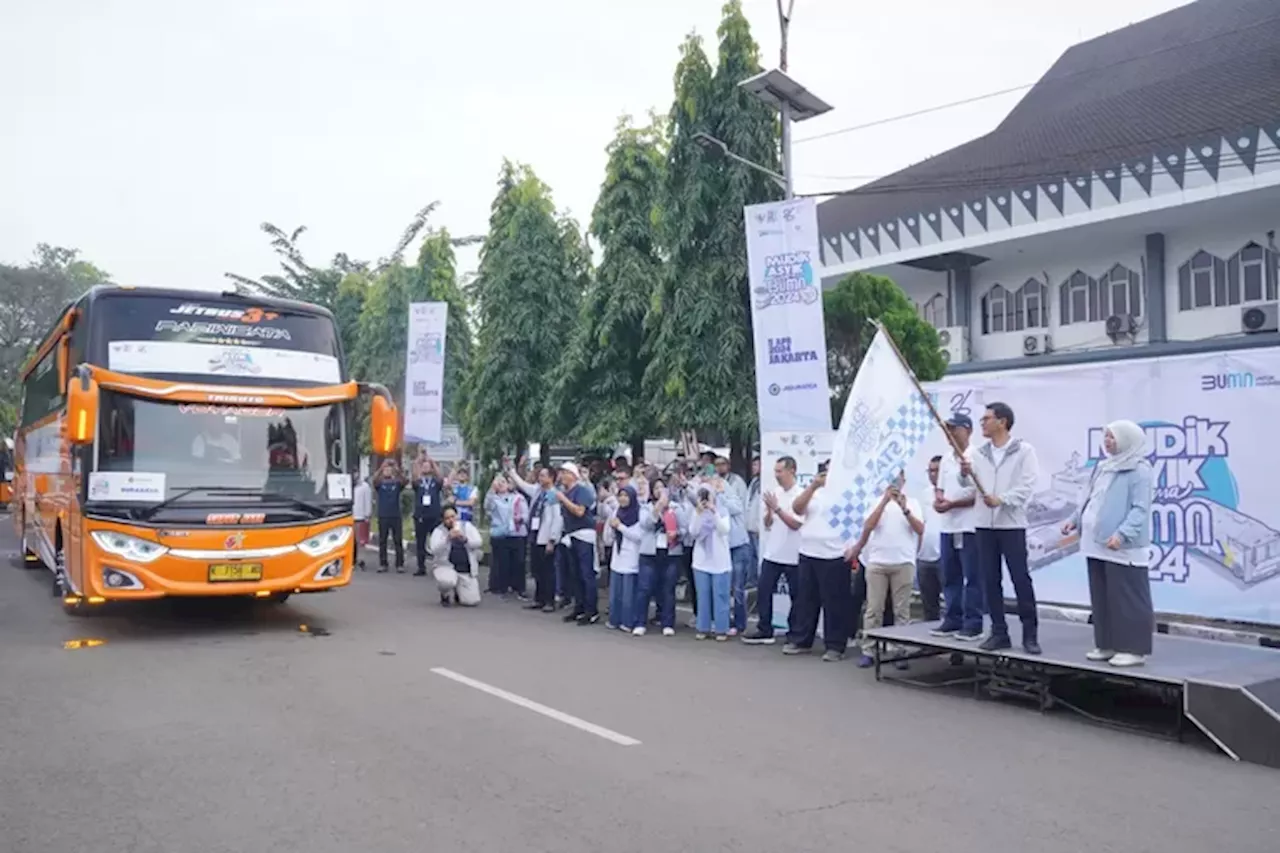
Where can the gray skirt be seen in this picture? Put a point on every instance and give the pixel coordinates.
(1123, 617)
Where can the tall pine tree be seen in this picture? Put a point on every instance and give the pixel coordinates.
(533, 268)
(597, 395)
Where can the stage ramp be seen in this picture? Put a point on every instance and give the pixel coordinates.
(1230, 691)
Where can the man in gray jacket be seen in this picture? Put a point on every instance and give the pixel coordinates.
(1005, 472)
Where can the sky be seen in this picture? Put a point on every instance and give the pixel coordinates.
(156, 136)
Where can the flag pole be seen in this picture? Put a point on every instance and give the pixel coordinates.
(928, 400)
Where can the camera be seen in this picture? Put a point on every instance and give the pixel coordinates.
(822, 467)
(704, 495)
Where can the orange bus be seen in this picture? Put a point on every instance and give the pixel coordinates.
(184, 443)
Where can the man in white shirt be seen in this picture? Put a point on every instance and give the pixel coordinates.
(1006, 471)
(888, 546)
(929, 560)
(822, 579)
(781, 548)
(954, 500)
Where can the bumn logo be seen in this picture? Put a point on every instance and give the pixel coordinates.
(1226, 381)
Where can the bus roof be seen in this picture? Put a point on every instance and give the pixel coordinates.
(112, 291)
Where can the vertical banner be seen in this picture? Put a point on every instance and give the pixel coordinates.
(809, 449)
(786, 316)
(1210, 425)
(424, 372)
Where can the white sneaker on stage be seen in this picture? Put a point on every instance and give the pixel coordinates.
(1126, 659)
(1100, 654)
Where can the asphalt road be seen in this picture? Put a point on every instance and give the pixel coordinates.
(210, 729)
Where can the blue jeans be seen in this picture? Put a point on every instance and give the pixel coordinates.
(753, 576)
(743, 563)
(713, 601)
(622, 600)
(582, 556)
(961, 584)
(658, 575)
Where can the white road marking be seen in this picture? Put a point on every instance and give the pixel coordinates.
(538, 708)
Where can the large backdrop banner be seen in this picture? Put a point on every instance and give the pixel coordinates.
(1211, 423)
(786, 316)
(424, 372)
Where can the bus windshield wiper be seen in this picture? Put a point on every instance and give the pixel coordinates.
(315, 509)
(150, 511)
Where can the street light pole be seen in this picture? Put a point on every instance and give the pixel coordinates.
(784, 25)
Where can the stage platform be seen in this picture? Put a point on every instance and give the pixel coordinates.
(1229, 691)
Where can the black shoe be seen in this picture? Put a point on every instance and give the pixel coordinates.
(420, 573)
(572, 617)
(995, 643)
(360, 563)
(1030, 646)
(585, 620)
(758, 638)
(533, 605)
(444, 601)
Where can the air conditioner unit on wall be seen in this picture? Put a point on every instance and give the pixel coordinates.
(953, 341)
(1121, 326)
(1259, 319)
(1037, 344)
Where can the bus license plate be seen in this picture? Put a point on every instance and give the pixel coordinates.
(232, 572)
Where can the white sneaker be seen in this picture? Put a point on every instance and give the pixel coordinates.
(1101, 654)
(638, 632)
(1126, 659)
(668, 632)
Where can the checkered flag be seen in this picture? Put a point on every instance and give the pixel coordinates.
(886, 419)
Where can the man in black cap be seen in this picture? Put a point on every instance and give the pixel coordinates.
(954, 498)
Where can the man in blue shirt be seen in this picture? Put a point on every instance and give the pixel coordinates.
(389, 484)
(577, 509)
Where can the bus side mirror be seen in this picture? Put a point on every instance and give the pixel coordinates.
(82, 409)
(385, 423)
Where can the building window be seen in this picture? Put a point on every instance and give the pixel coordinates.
(1079, 299)
(1251, 274)
(996, 307)
(1033, 305)
(934, 312)
(1203, 283)
(1122, 293)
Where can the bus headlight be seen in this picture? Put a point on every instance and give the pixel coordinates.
(127, 547)
(323, 543)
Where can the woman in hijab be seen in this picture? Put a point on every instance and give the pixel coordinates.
(1114, 525)
(625, 567)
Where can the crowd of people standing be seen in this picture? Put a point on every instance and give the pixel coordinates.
(701, 526)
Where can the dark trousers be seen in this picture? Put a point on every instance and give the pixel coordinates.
(391, 527)
(582, 556)
(1009, 546)
(770, 573)
(507, 572)
(823, 585)
(566, 574)
(962, 583)
(543, 566)
(422, 528)
(657, 582)
(929, 579)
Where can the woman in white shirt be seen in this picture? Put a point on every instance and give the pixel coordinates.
(711, 561)
(823, 578)
(455, 544)
(624, 570)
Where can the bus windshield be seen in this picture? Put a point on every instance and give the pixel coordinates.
(219, 340)
(180, 446)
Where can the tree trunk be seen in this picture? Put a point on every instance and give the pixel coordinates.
(637, 447)
(544, 453)
(740, 457)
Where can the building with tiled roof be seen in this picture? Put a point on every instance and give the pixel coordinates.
(1131, 197)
